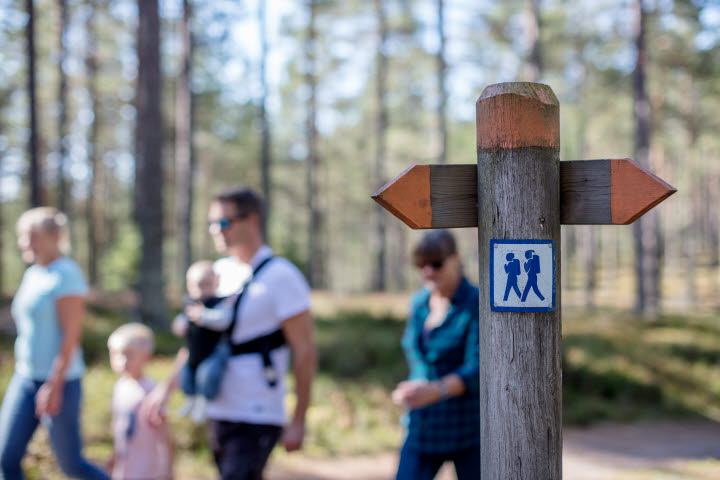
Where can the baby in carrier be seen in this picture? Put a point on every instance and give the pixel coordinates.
(202, 323)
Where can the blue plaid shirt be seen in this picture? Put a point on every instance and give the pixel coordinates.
(453, 346)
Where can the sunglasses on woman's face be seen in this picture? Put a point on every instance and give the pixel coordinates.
(436, 265)
(225, 222)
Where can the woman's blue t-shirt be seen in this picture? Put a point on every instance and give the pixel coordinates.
(39, 335)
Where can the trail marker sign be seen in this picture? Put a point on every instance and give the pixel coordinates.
(522, 275)
(518, 194)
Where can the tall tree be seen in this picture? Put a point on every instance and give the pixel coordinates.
(148, 208)
(4, 97)
(62, 108)
(92, 204)
(36, 194)
(534, 63)
(647, 228)
(441, 70)
(184, 157)
(265, 144)
(316, 250)
(379, 275)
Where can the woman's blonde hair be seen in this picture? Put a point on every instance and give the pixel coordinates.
(49, 219)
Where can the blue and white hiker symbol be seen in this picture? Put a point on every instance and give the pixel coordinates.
(531, 267)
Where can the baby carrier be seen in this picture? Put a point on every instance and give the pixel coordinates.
(263, 345)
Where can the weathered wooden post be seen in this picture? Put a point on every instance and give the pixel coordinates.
(517, 195)
(518, 167)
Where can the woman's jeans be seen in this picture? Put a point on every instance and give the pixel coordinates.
(416, 465)
(18, 423)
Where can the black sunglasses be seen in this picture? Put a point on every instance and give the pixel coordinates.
(225, 222)
(435, 265)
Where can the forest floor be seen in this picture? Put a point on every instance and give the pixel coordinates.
(686, 450)
(638, 398)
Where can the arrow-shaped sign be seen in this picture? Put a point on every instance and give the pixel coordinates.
(593, 192)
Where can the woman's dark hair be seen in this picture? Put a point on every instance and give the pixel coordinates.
(435, 246)
(245, 200)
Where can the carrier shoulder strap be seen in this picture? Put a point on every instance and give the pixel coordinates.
(236, 305)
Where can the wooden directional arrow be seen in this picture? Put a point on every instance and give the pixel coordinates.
(596, 192)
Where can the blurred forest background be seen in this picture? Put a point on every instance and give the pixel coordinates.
(129, 115)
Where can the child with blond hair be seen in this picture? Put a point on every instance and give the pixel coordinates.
(203, 322)
(141, 451)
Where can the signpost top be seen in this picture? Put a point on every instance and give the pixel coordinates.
(518, 114)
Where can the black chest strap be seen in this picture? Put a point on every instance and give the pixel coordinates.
(262, 345)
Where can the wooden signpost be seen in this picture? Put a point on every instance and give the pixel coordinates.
(518, 195)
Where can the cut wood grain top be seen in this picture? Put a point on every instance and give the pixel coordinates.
(594, 192)
(518, 114)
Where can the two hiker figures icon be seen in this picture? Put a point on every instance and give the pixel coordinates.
(531, 267)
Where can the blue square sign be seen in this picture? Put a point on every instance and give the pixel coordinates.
(522, 275)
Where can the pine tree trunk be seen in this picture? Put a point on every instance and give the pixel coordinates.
(92, 202)
(695, 226)
(646, 229)
(4, 96)
(316, 245)
(265, 130)
(62, 184)
(442, 92)
(148, 166)
(379, 283)
(184, 157)
(713, 187)
(534, 64)
(590, 252)
(36, 193)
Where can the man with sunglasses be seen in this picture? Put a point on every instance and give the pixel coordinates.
(271, 304)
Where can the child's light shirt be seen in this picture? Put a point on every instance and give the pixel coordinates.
(141, 451)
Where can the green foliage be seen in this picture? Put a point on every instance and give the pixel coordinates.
(357, 346)
(119, 267)
(616, 368)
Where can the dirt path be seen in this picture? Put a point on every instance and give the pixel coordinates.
(609, 452)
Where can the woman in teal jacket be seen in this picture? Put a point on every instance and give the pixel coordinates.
(441, 344)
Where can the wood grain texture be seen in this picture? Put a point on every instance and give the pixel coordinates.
(585, 192)
(408, 197)
(453, 196)
(592, 192)
(518, 114)
(520, 368)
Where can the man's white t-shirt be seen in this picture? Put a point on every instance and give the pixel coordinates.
(278, 292)
(232, 274)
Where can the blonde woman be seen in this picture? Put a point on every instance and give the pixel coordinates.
(48, 311)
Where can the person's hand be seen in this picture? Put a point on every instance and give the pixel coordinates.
(153, 407)
(292, 436)
(49, 398)
(194, 312)
(416, 394)
(179, 326)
